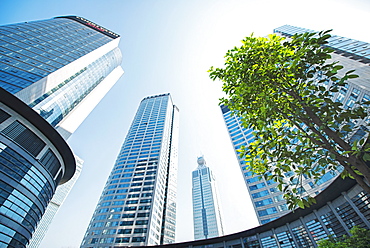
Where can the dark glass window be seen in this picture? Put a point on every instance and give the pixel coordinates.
(138, 239)
(124, 231)
(128, 215)
(143, 215)
(3, 116)
(24, 137)
(144, 207)
(126, 223)
(130, 208)
(51, 162)
(122, 240)
(140, 230)
(141, 222)
(145, 200)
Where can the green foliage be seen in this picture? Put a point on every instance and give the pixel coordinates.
(360, 238)
(282, 90)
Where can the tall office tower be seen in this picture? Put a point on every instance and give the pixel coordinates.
(61, 68)
(206, 209)
(60, 195)
(138, 203)
(267, 200)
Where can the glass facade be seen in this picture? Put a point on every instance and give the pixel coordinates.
(52, 65)
(355, 47)
(26, 205)
(206, 209)
(56, 201)
(138, 203)
(61, 68)
(267, 199)
(31, 166)
(56, 104)
(31, 51)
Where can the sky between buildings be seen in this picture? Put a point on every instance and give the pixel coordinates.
(168, 46)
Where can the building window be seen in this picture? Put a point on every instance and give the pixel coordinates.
(143, 215)
(130, 208)
(257, 186)
(263, 202)
(140, 230)
(141, 222)
(138, 239)
(128, 215)
(124, 231)
(260, 194)
(267, 211)
(126, 223)
(122, 240)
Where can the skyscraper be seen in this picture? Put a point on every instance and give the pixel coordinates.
(61, 68)
(206, 209)
(138, 203)
(267, 200)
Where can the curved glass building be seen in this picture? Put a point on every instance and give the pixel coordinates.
(34, 160)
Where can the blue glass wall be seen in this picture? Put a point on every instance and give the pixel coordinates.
(25, 191)
(31, 51)
(267, 199)
(339, 43)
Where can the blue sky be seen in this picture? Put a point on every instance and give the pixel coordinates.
(168, 46)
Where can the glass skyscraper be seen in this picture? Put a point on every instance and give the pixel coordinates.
(206, 209)
(60, 69)
(267, 200)
(138, 203)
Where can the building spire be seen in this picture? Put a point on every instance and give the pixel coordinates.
(201, 162)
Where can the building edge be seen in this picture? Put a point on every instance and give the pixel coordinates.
(41, 124)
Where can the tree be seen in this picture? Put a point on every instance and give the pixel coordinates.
(360, 238)
(283, 90)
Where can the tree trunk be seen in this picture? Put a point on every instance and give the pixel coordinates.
(357, 177)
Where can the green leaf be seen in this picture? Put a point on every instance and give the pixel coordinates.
(366, 157)
(352, 76)
(300, 204)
